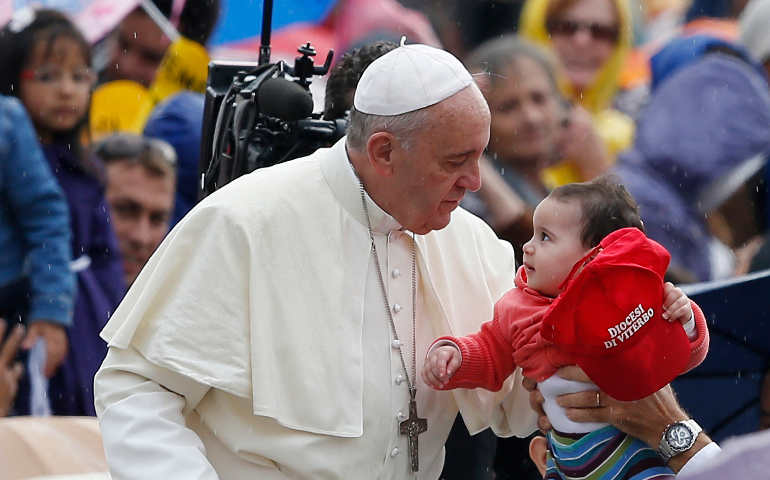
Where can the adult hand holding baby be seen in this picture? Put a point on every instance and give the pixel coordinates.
(644, 419)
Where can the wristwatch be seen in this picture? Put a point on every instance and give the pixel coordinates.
(677, 438)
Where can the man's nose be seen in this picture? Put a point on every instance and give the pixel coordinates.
(141, 234)
(471, 179)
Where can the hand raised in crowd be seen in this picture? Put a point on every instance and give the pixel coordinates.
(56, 343)
(505, 205)
(440, 364)
(645, 419)
(10, 371)
(676, 305)
(580, 143)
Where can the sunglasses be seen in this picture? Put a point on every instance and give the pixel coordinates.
(598, 31)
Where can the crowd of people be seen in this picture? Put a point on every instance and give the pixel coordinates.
(194, 324)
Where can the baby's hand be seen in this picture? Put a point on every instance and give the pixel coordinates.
(440, 364)
(676, 305)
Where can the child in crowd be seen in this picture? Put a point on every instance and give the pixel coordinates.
(591, 293)
(46, 64)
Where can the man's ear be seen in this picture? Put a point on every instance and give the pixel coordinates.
(379, 148)
(538, 453)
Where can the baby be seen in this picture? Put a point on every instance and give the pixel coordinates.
(590, 293)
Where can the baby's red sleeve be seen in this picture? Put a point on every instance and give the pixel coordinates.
(699, 346)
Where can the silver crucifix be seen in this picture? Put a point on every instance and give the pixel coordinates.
(412, 427)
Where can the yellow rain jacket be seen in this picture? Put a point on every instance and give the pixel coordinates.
(614, 127)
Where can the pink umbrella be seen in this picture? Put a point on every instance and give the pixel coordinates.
(94, 17)
(349, 22)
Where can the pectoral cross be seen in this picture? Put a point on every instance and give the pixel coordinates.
(412, 427)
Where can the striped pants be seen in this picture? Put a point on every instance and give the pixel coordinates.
(604, 454)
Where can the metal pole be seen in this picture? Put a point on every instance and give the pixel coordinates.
(160, 19)
(267, 20)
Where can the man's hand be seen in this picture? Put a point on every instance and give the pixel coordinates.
(536, 402)
(441, 363)
(505, 206)
(56, 343)
(644, 419)
(676, 305)
(10, 371)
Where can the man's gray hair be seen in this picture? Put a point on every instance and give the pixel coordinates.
(157, 156)
(403, 126)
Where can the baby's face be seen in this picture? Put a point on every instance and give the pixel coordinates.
(555, 246)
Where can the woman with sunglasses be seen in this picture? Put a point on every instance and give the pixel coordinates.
(591, 39)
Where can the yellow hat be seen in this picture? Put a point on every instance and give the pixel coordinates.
(119, 106)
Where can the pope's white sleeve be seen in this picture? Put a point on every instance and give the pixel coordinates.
(700, 460)
(514, 416)
(140, 408)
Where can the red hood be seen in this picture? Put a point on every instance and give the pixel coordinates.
(521, 283)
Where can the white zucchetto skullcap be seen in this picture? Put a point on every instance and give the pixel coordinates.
(409, 78)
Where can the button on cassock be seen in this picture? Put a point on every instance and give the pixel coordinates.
(396, 308)
(399, 379)
(395, 273)
(394, 452)
(396, 343)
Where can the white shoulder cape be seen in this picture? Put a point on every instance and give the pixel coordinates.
(259, 292)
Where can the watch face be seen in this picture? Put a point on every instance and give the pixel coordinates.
(679, 437)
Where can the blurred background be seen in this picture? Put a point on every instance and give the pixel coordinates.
(670, 96)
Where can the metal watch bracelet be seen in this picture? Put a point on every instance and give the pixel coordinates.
(667, 450)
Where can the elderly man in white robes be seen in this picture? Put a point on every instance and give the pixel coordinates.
(276, 332)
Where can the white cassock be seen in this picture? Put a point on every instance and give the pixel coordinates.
(256, 344)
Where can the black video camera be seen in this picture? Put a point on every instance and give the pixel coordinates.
(257, 115)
